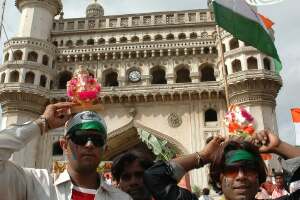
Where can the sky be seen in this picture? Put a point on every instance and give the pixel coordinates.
(285, 15)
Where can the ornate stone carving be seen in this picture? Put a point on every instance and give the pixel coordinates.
(132, 112)
(174, 120)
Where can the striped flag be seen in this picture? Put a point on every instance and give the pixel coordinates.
(238, 18)
(262, 2)
(296, 121)
(267, 22)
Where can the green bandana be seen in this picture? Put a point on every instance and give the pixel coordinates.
(239, 155)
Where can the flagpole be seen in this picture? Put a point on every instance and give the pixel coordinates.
(223, 66)
(2, 17)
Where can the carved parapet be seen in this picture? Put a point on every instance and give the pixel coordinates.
(11, 65)
(140, 94)
(16, 97)
(254, 87)
(34, 44)
(137, 47)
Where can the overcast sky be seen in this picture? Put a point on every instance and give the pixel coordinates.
(286, 16)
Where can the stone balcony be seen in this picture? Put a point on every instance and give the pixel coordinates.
(25, 88)
(19, 43)
(153, 93)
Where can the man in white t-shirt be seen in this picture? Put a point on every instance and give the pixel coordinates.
(84, 144)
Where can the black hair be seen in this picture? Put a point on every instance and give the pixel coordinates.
(278, 174)
(205, 191)
(125, 159)
(219, 163)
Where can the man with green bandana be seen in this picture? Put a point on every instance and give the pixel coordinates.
(236, 168)
(83, 144)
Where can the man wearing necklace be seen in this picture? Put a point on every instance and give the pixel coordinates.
(236, 168)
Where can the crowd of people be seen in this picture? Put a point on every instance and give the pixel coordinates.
(236, 169)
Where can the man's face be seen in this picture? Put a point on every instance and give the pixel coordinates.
(269, 187)
(279, 181)
(131, 181)
(239, 183)
(84, 151)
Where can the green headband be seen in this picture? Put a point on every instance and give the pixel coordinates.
(87, 120)
(239, 155)
(91, 125)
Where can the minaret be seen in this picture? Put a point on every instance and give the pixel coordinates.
(252, 81)
(27, 73)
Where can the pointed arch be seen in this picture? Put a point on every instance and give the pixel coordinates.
(45, 60)
(63, 78)
(123, 40)
(236, 66)
(112, 40)
(69, 43)
(183, 74)
(101, 41)
(110, 77)
(6, 57)
(158, 37)
(32, 56)
(234, 44)
(193, 35)
(14, 76)
(29, 77)
(181, 36)
(79, 42)
(207, 73)
(18, 55)
(43, 81)
(210, 115)
(128, 134)
(170, 36)
(3, 75)
(90, 42)
(158, 74)
(252, 63)
(146, 38)
(135, 39)
(267, 64)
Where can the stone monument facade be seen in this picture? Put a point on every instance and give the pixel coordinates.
(160, 73)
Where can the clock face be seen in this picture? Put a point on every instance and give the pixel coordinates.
(134, 76)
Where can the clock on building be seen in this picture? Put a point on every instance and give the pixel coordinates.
(134, 76)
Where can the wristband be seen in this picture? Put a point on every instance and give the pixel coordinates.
(200, 162)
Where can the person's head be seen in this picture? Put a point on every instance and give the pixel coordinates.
(238, 170)
(84, 141)
(205, 191)
(128, 170)
(279, 179)
(268, 186)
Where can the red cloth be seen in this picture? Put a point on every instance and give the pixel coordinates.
(76, 195)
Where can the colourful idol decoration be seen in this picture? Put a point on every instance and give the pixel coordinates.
(83, 88)
(240, 122)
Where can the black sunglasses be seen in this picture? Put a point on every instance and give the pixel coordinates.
(82, 139)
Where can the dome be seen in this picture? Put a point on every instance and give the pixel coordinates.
(94, 10)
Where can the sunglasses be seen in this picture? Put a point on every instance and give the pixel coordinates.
(233, 171)
(82, 137)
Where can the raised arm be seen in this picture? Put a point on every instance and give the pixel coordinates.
(16, 137)
(271, 143)
(162, 178)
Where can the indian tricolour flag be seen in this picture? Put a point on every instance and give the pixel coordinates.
(296, 121)
(239, 19)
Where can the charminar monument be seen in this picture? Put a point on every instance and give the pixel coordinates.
(160, 73)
